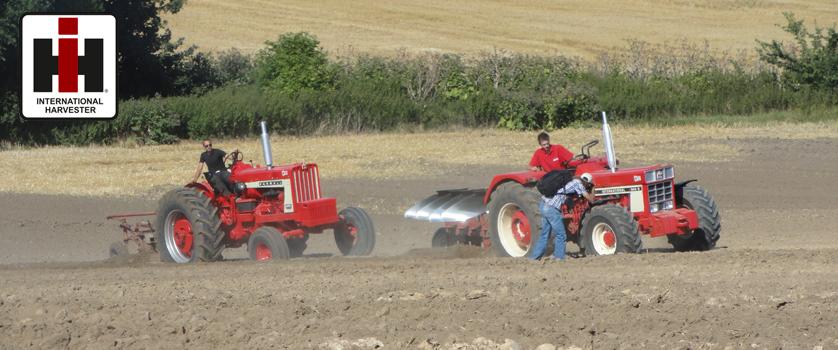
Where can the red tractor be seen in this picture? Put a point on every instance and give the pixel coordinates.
(272, 209)
(630, 202)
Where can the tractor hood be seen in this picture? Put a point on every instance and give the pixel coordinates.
(632, 176)
(276, 172)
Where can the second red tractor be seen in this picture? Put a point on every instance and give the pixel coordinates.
(630, 202)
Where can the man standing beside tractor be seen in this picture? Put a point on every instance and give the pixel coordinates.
(551, 216)
(549, 157)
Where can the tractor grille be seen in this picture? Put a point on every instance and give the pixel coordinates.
(306, 184)
(660, 192)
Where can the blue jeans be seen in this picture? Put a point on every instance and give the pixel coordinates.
(551, 221)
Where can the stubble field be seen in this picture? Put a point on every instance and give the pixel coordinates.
(543, 27)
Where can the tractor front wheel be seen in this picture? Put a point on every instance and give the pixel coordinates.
(709, 222)
(355, 234)
(609, 229)
(267, 243)
(514, 219)
(188, 227)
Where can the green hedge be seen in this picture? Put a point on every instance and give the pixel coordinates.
(366, 93)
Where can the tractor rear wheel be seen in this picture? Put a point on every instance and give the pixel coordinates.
(709, 222)
(267, 243)
(355, 234)
(443, 238)
(188, 227)
(514, 219)
(609, 229)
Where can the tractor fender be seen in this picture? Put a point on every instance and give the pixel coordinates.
(525, 178)
(679, 190)
(203, 187)
(684, 183)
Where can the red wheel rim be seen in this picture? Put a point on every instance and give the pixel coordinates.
(521, 228)
(609, 239)
(183, 235)
(351, 233)
(263, 252)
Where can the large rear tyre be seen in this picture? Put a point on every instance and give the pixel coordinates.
(267, 243)
(443, 238)
(355, 234)
(188, 227)
(609, 229)
(709, 221)
(514, 219)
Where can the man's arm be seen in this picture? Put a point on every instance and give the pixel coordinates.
(197, 172)
(579, 188)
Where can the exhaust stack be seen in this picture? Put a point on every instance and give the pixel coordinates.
(609, 144)
(266, 145)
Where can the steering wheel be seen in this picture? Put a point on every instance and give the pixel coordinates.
(580, 156)
(234, 157)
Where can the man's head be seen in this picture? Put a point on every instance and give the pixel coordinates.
(544, 141)
(586, 178)
(207, 144)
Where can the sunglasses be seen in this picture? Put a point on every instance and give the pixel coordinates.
(208, 145)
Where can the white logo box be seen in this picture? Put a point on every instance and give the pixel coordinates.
(90, 26)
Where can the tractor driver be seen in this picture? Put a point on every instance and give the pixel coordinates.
(548, 156)
(219, 175)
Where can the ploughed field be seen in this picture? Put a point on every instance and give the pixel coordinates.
(772, 282)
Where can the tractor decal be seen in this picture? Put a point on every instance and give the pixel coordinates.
(284, 184)
(635, 195)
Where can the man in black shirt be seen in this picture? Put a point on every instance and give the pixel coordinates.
(219, 175)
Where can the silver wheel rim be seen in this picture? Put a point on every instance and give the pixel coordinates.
(598, 237)
(169, 236)
(505, 235)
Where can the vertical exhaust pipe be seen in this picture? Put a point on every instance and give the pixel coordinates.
(266, 145)
(609, 144)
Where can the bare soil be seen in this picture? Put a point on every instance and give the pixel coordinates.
(771, 283)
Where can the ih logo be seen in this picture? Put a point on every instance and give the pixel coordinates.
(68, 66)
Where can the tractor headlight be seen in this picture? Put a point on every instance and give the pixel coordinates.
(654, 207)
(240, 187)
(667, 205)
